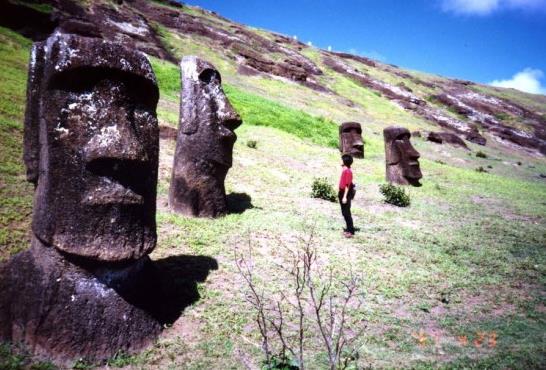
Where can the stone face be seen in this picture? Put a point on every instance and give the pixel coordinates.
(86, 288)
(92, 105)
(350, 139)
(204, 144)
(401, 158)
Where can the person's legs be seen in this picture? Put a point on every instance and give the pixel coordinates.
(348, 217)
(346, 212)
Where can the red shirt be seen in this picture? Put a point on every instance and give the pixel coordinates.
(346, 178)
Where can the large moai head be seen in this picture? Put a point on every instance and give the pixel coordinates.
(401, 158)
(91, 147)
(204, 148)
(350, 139)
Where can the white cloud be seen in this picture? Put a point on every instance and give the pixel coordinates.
(470, 6)
(485, 7)
(528, 80)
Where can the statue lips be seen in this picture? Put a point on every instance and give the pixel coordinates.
(119, 182)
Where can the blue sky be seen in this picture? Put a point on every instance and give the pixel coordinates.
(501, 41)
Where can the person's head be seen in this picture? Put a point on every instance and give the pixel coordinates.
(91, 147)
(347, 160)
(350, 139)
(402, 159)
(207, 119)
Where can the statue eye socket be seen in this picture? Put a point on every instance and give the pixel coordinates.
(209, 75)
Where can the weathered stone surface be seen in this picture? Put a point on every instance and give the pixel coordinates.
(401, 158)
(86, 288)
(447, 137)
(66, 312)
(487, 112)
(205, 142)
(350, 139)
(92, 106)
(73, 308)
(26, 20)
(247, 48)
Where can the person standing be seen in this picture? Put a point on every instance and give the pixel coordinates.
(346, 193)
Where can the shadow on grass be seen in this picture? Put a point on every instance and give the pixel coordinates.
(169, 285)
(239, 202)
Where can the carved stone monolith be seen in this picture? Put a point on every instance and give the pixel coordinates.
(84, 288)
(350, 139)
(204, 146)
(402, 160)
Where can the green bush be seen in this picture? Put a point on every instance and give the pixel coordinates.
(322, 189)
(253, 144)
(395, 195)
(481, 154)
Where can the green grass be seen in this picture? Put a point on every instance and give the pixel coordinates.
(168, 78)
(15, 192)
(254, 109)
(259, 111)
(476, 238)
(44, 8)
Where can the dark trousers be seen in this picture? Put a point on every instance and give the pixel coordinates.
(346, 212)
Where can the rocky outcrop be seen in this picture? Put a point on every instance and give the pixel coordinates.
(246, 47)
(446, 137)
(407, 100)
(489, 112)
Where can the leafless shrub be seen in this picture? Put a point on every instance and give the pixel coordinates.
(313, 307)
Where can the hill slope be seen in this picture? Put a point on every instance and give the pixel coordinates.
(465, 260)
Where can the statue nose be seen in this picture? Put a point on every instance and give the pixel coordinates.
(358, 146)
(412, 153)
(115, 141)
(228, 116)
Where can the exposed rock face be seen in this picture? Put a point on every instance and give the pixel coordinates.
(485, 111)
(447, 137)
(205, 142)
(350, 139)
(91, 149)
(401, 158)
(248, 48)
(408, 101)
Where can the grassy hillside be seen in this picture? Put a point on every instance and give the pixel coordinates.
(464, 264)
(15, 192)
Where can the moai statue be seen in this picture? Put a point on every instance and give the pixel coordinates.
(91, 149)
(350, 139)
(401, 158)
(204, 146)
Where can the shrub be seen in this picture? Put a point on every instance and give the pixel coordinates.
(481, 154)
(253, 144)
(395, 195)
(322, 189)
